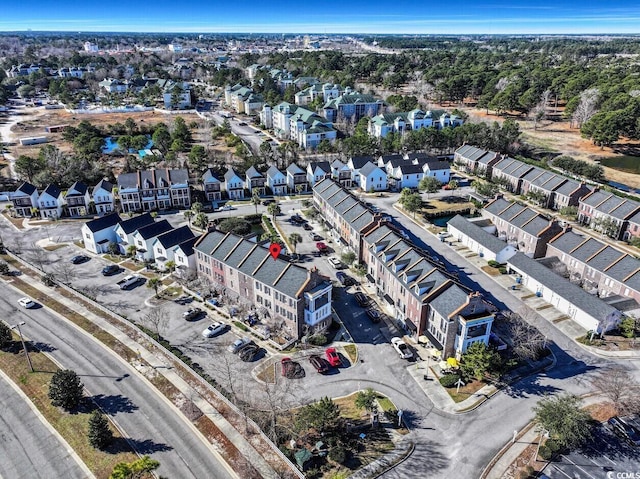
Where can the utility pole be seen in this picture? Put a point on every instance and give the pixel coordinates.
(24, 346)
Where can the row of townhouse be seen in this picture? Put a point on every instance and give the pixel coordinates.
(64, 72)
(243, 99)
(175, 95)
(295, 299)
(155, 241)
(597, 267)
(146, 190)
(401, 122)
(520, 226)
(53, 202)
(588, 310)
(555, 191)
(603, 211)
(150, 190)
(298, 124)
(425, 298)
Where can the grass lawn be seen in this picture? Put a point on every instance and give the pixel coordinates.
(113, 258)
(71, 426)
(132, 266)
(348, 408)
(54, 247)
(465, 391)
(352, 352)
(17, 222)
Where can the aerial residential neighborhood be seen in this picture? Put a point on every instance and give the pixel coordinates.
(319, 255)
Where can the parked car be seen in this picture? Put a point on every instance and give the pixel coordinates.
(268, 202)
(322, 248)
(291, 369)
(345, 279)
(129, 281)
(191, 314)
(402, 348)
(335, 262)
(238, 344)
(214, 329)
(227, 208)
(315, 236)
(374, 315)
(332, 357)
(361, 299)
(320, 364)
(248, 352)
(79, 258)
(624, 430)
(242, 123)
(26, 302)
(110, 270)
(308, 227)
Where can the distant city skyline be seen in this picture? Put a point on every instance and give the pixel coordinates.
(358, 16)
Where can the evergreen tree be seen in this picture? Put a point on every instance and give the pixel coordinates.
(100, 434)
(65, 389)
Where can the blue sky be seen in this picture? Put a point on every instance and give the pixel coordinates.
(356, 16)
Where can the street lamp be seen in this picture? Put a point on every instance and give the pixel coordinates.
(543, 434)
(24, 346)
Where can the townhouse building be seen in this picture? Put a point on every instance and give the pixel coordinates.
(341, 173)
(438, 169)
(292, 299)
(175, 95)
(127, 228)
(163, 246)
(297, 179)
(475, 160)
(511, 173)
(355, 163)
(372, 178)
(24, 200)
(348, 218)
(211, 186)
(520, 226)
(113, 85)
(233, 185)
(150, 190)
(144, 237)
(607, 213)
(98, 233)
(324, 92)
(551, 190)
(255, 181)
(276, 181)
(633, 228)
(318, 171)
(185, 258)
(77, 199)
(473, 235)
(51, 202)
(597, 267)
(103, 198)
(401, 122)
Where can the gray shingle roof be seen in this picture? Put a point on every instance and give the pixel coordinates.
(359, 161)
(449, 300)
(209, 177)
(104, 222)
(294, 169)
(492, 243)
(369, 168)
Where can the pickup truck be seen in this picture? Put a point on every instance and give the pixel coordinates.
(129, 281)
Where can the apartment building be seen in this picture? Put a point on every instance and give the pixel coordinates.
(607, 213)
(293, 122)
(150, 190)
(352, 106)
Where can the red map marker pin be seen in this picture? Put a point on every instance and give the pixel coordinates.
(275, 249)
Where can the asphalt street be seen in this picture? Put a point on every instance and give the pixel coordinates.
(28, 448)
(151, 423)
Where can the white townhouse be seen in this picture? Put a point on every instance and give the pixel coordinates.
(318, 171)
(113, 85)
(407, 176)
(127, 228)
(184, 257)
(276, 181)
(150, 190)
(77, 199)
(440, 170)
(51, 202)
(175, 95)
(103, 198)
(372, 178)
(255, 181)
(143, 238)
(341, 173)
(98, 233)
(163, 245)
(212, 186)
(233, 184)
(24, 200)
(296, 178)
(354, 164)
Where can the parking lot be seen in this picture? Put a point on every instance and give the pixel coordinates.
(605, 457)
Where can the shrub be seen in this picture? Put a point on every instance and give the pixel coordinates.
(493, 263)
(449, 380)
(552, 445)
(238, 226)
(4, 268)
(627, 327)
(318, 339)
(100, 435)
(502, 269)
(526, 473)
(545, 453)
(253, 219)
(338, 454)
(5, 336)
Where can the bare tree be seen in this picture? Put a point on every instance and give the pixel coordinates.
(37, 256)
(539, 111)
(65, 272)
(619, 387)
(587, 107)
(527, 342)
(157, 320)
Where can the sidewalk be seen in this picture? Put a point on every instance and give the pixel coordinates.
(161, 365)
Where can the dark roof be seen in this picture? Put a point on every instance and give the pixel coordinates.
(104, 222)
(208, 176)
(359, 161)
(26, 188)
(323, 165)
(77, 189)
(135, 223)
(52, 190)
(187, 246)
(438, 165)
(477, 234)
(176, 236)
(105, 185)
(154, 229)
(410, 169)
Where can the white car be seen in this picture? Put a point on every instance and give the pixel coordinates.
(215, 328)
(335, 262)
(237, 344)
(26, 302)
(402, 348)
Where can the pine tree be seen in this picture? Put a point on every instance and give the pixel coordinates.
(100, 435)
(65, 389)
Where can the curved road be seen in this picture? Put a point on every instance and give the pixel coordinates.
(150, 423)
(28, 448)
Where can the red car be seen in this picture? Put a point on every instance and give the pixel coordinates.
(332, 357)
(285, 364)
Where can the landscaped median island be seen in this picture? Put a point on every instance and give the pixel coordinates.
(179, 363)
(72, 426)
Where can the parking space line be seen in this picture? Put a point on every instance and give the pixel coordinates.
(577, 466)
(561, 471)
